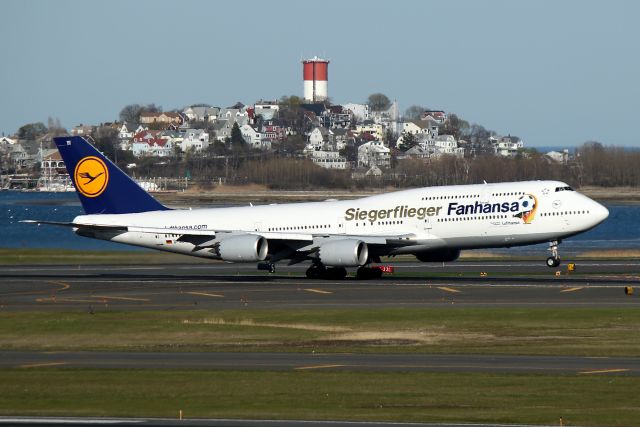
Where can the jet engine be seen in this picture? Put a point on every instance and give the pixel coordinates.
(244, 248)
(443, 255)
(344, 253)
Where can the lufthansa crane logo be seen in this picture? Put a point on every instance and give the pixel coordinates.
(91, 176)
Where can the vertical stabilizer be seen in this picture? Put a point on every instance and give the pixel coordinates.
(101, 186)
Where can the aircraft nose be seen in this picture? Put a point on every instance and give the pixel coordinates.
(600, 212)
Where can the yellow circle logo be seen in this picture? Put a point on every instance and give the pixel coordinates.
(91, 176)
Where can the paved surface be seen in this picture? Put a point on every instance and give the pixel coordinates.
(220, 286)
(312, 361)
(63, 421)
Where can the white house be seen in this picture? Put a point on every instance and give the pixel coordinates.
(374, 153)
(150, 143)
(196, 139)
(361, 111)
(266, 109)
(328, 159)
(506, 145)
(320, 136)
(254, 138)
(447, 144)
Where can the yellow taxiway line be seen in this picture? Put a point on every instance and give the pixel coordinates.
(318, 291)
(121, 298)
(302, 368)
(446, 289)
(42, 365)
(206, 294)
(572, 289)
(603, 371)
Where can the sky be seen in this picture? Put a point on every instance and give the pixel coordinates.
(555, 73)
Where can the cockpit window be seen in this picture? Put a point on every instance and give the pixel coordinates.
(567, 188)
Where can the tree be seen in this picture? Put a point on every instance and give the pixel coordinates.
(131, 113)
(32, 131)
(54, 127)
(106, 141)
(236, 136)
(378, 102)
(414, 112)
(408, 141)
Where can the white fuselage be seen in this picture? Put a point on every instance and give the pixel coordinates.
(459, 217)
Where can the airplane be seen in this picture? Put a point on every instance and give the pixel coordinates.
(433, 223)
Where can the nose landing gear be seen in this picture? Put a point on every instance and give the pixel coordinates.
(554, 260)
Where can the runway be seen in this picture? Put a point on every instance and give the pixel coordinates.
(231, 286)
(324, 361)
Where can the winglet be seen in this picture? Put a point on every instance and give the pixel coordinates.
(101, 186)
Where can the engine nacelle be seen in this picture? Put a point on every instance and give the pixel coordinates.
(443, 255)
(344, 253)
(244, 248)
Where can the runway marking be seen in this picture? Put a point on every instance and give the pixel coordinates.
(121, 298)
(603, 371)
(572, 289)
(318, 291)
(446, 289)
(54, 300)
(42, 365)
(206, 294)
(302, 368)
(64, 285)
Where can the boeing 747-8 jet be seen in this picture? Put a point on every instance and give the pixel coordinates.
(432, 223)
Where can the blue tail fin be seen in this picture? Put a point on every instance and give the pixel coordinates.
(101, 186)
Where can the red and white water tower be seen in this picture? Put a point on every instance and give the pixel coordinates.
(315, 72)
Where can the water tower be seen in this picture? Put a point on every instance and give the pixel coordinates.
(315, 72)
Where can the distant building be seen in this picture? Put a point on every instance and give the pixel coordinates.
(164, 118)
(194, 139)
(507, 146)
(328, 159)
(374, 153)
(152, 143)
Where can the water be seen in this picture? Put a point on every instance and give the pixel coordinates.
(619, 231)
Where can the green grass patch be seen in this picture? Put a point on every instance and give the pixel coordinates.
(465, 330)
(337, 395)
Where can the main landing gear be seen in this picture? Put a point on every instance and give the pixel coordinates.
(319, 271)
(554, 260)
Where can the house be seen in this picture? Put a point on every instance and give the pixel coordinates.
(83, 130)
(436, 116)
(507, 146)
(254, 138)
(374, 153)
(163, 118)
(152, 143)
(419, 151)
(328, 159)
(202, 114)
(376, 130)
(320, 136)
(266, 109)
(447, 144)
(5, 141)
(558, 157)
(193, 139)
(360, 111)
(273, 130)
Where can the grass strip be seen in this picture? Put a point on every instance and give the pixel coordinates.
(577, 331)
(378, 396)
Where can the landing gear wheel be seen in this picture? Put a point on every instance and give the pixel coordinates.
(553, 262)
(316, 271)
(335, 273)
(367, 273)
